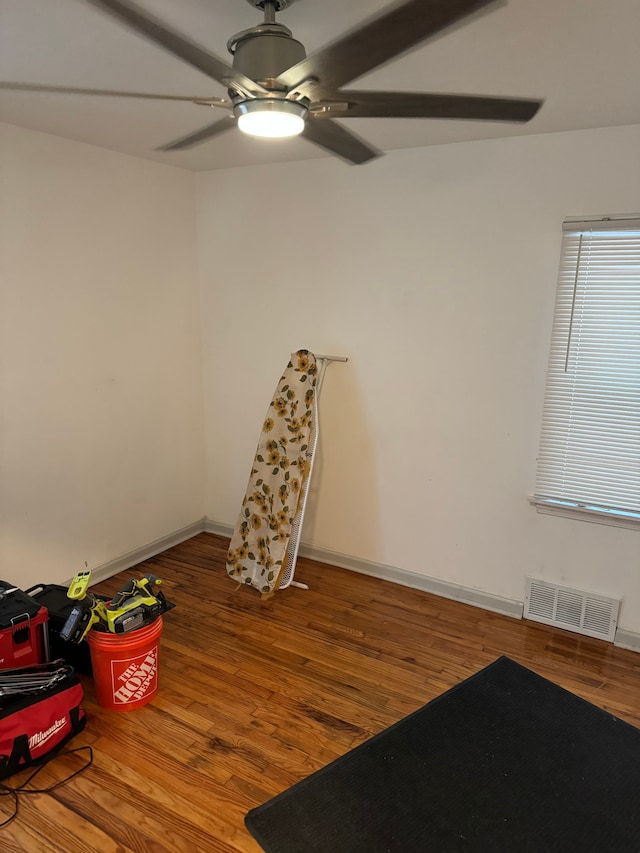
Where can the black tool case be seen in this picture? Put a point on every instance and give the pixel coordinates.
(54, 598)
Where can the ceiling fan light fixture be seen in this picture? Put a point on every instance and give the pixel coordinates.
(271, 118)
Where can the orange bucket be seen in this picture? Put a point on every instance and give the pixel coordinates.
(125, 666)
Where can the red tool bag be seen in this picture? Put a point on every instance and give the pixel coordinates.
(34, 726)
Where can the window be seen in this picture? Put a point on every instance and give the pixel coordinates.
(589, 459)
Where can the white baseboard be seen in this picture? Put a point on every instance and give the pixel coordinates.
(627, 640)
(444, 589)
(217, 527)
(145, 552)
(476, 597)
(623, 639)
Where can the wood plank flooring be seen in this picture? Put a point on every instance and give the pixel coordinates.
(256, 695)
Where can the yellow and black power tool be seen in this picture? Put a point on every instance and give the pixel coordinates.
(133, 607)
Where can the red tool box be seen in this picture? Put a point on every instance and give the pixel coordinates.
(24, 630)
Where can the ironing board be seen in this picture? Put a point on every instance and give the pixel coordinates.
(264, 545)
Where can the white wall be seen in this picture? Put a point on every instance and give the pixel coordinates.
(434, 270)
(101, 438)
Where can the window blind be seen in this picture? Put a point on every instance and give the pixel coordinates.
(589, 458)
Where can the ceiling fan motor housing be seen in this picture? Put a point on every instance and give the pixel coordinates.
(264, 52)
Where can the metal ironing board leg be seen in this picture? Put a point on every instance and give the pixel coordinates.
(296, 526)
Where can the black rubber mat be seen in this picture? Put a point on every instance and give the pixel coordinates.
(505, 762)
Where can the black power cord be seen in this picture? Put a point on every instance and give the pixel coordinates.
(9, 791)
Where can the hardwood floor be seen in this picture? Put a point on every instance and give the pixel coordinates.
(256, 695)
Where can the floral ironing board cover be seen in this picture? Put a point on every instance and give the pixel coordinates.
(258, 546)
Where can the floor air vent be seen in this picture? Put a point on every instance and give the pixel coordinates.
(572, 609)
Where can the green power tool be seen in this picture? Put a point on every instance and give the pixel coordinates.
(134, 606)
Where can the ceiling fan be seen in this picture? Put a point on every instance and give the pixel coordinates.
(276, 90)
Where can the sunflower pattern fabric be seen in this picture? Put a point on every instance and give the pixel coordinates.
(258, 547)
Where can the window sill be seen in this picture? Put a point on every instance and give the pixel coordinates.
(597, 515)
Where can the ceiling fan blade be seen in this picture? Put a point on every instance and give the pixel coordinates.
(131, 14)
(399, 28)
(338, 140)
(362, 104)
(111, 93)
(220, 126)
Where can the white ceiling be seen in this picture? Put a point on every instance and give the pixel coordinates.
(581, 56)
